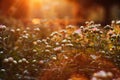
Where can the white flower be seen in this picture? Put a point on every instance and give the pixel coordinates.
(94, 78)
(18, 29)
(109, 74)
(25, 36)
(1, 52)
(54, 58)
(3, 70)
(27, 28)
(93, 56)
(48, 51)
(38, 41)
(65, 57)
(69, 45)
(15, 62)
(45, 41)
(24, 31)
(54, 33)
(6, 60)
(69, 27)
(64, 41)
(35, 43)
(36, 29)
(34, 61)
(102, 74)
(92, 22)
(12, 30)
(58, 48)
(81, 27)
(118, 22)
(10, 59)
(34, 50)
(20, 61)
(112, 21)
(26, 72)
(78, 31)
(41, 62)
(113, 36)
(2, 27)
(57, 43)
(95, 29)
(48, 46)
(24, 60)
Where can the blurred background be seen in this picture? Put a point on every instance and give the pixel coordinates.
(69, 11)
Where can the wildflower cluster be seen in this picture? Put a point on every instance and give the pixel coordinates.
(89, 50)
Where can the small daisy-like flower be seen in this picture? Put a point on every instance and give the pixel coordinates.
(10, 59)
(57, 44)
(1, 52)
(41, 62)
(3, 70)
(78, 31)
(64, 41)
(85, 30)
(26, 72)
(101, 32)
(18, 29)
(63, 31)
(87, 23)
(12, 30)
(113, 36)
(69, 45)
(95, 30)
(24, 31)
(58, 49)
(92, 22)
(54, 58)
(100, 74)
(15, 62)
(54, 33)
(48, 46)
(2, 27)
(118, 22)
(113, 22)
(34, 50)
(94, 78)
(47, 51)
(93, 57)
(35, 43)
(109, 74)
(25, 36)
(108, 27)
(34, 61)
(69, 27)
(44, 41)
(81, 27)
(103, 74)
(24, 60)
(20, 61)
(28, 28)
(37, 29)
(38, 41)
(6, 60)
(65, 57)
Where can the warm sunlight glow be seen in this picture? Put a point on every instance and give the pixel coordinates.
(50, 8)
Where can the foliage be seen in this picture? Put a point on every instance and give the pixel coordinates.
(28, 53)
